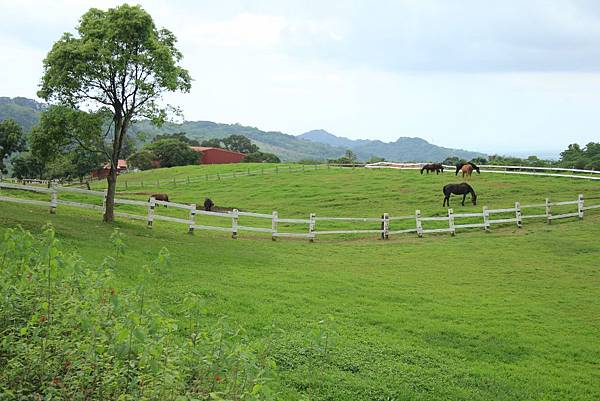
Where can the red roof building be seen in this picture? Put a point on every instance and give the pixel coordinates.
(103, 172)
(218, 155)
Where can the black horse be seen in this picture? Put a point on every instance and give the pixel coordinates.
(461, 164)
(437, 167)
(208, 204)
(459, 189)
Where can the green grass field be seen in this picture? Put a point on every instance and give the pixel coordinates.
(506, 315)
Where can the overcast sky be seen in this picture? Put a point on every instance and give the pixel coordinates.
(495, 76)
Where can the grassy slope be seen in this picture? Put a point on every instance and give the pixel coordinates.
(510, 315)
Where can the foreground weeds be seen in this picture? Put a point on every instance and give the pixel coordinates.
(67, 334)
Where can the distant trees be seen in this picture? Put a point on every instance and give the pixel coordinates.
(348, 158)
(119, 61)
(142, 159)
(11, 141)
(261, 157)
(239, 143)
(173, 152)
(212, 143)
(587, 157)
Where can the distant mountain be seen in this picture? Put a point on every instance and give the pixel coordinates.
(322, 136)
(26, 112)
(316, 145)
(287, 147)
(403, 149)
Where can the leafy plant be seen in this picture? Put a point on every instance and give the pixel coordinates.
(68, 334)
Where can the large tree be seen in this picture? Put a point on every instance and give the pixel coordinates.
(11, 140)
(118, 60)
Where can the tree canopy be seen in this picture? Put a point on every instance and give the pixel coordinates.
(118, 60)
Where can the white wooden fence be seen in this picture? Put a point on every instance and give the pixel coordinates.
(490, 168)
(384, 226)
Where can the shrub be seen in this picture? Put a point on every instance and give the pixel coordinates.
(68, 334)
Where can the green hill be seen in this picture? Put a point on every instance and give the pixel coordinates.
(507, 315)
(26, 112)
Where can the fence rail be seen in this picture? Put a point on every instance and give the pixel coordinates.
(385, 223)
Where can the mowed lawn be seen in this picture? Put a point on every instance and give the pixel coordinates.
(508, 315)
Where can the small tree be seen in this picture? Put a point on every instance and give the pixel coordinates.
(172, 152)
(119, 61)
(11, 140)
(142, 159)
(212, 143)
(239, 143)
(261, 157)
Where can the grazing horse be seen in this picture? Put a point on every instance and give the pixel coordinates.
(208, 204)
(467, 170)
(160, 197)
(459, 189)
(460, 165)
(437, 167)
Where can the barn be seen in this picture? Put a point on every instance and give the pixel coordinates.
(218, 155)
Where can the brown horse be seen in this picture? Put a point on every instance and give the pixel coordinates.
(437, 167)
(467, 170)
(160, 197)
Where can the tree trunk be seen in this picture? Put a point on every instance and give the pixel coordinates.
(109, 212)
(120, 132)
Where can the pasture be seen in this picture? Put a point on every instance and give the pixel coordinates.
(506, 315)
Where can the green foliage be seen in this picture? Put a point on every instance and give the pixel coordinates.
(173, 152)
(142, 159)
(11, 141)
(212, 143)
(239, 143)
(67, 332)
(25, 165)
(348, 158)
(261, 157)
(583, 158)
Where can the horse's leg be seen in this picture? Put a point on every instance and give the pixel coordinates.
(464, 196)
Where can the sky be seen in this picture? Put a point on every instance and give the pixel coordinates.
(506, 76)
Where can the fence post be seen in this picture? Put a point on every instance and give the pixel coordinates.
(104, 204)
(174, 184)
(126, 185)
(486, 219)
(234, 224)
(418, 222)
(188, 179)
(53, 201)
(580, 206)
(311, 228)
(274, 226)
(303, 168)
(142, 182)
(451, 221)
(192, 218)
(158, 183)
(518, 214)
(151, 205)
(548, 211)
(385, 226)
